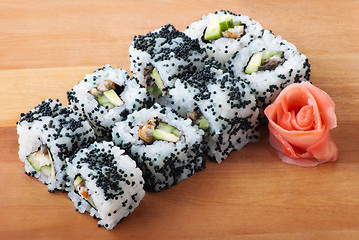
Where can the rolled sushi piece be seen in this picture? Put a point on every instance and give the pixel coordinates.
(104, 182)
(161, 56)
(221, 106)
(106, 96)
(166, 147)
(49, 134)
(268, 65)
(223, 33)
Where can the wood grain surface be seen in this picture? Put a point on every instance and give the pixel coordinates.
(46, 47)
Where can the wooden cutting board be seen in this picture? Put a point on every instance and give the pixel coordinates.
(46, 47)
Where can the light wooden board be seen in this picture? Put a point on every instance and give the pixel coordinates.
(46, 47)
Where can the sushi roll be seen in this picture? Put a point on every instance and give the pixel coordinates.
(268, 65)
(49, 134)
(161, 56)
(167, 148)
(223, 33)
(104, 182)
(221, 106)
(106, 96)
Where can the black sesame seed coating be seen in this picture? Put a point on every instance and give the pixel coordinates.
(169, 35)
(63, 132)
(47, 108)
(163, 164)
(266, 85)
(171, 52)
(102, 118)
(113, 181)
(102, 165)
(212, 91)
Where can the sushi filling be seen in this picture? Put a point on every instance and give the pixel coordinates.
(157, 130)
(234, 33)
(223, 26)
(153, 81)
(81, 189)
(41, 160)
(197, 117)
(265, 60)
(107, 94)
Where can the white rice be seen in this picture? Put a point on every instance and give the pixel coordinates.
(114, 183)
(163, 163)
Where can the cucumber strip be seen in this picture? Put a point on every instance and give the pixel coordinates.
(52, 168)
(203, 123)
(165, 127)
(33, 162)
(42, 162)
(158, 81)
(213, 30)
(168, 128)
(176, 132)
(154, 90)
(166, 136)
(102, 99)
(254, 63)
(266, 54)
(113, 97)
(78, 181)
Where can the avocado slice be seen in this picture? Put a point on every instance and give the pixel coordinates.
(230, 23)
(254, 63)
(165, 127)
(226, 22)
(203, 123)
(223, 22)
(266, 54)
(112, 96)
(223, 26)
(34, 162)
(104, 101)
(78, 180)
(176, 132)
(49, 171)
(109, 105)
(154, 90)
(159, 134)
(52, 168)
(213, 30)
(168, 128)
(41, 161)
(158, 81)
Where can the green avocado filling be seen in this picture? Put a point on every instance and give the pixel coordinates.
(110, 99)
(42, 161)
(265, 60)
(155, 130)
(223, 26)
(106, 95)
(203, 123)
(154, 82)
(200, 120)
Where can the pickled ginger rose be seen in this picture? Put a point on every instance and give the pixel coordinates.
(299, 122)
